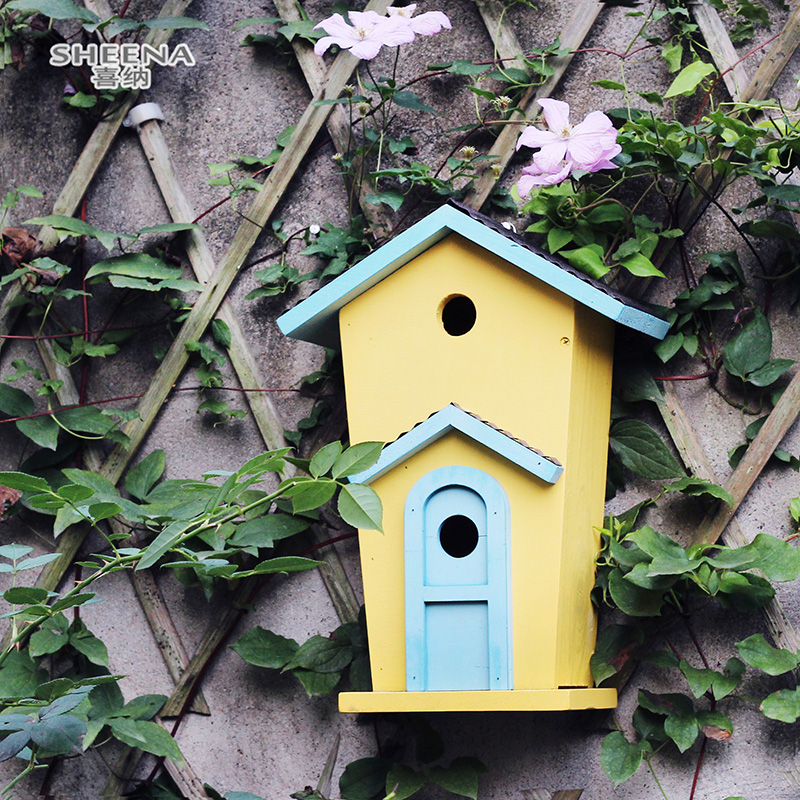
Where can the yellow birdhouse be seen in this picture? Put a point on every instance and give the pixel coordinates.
(487, 366)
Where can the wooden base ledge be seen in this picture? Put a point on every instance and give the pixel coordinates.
(514, 700)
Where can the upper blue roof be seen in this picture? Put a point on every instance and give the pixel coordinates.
(315, 319)
(451, 418)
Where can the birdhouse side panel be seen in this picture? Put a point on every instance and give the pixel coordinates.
(586, 462)
(530, 560)
(503, 353)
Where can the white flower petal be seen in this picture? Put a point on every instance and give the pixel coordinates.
(556, 114)
(536, 137)
(549, 158)
(429, 23)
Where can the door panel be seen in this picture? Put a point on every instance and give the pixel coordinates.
(457, 636)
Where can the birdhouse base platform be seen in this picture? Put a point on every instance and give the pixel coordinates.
(513, 700)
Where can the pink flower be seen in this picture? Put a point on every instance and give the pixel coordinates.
(426, 24)
(588, 146)
(367, 34)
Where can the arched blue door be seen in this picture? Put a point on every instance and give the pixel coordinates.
(456, 561)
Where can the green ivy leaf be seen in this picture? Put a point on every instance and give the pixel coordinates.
(758, 653)
(770, 372)
(320, 654)
(364, 779)
(23, 482)
(461, 777)
(682, 729)
(783, 705)
(404, 781)
(408, 99)
(141, 479)
(642, 451)
(266, 530)
(631, 599)
(689, 78)
(614, 647)
(694, 487)
(311, 494)
(265, 648)
(619, 758)
(55, 9)
(317, 684)
(750, 348)
(147, 736)
(392, 199)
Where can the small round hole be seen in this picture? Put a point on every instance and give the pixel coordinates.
(458, 536)
(458, 315)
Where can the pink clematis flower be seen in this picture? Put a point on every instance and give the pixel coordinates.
(366, 35)
(588, 146)
(426, 24)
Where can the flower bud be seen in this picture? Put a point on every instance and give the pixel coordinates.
(349, 90)
(468, 152)
(363, 109)
(501, 103)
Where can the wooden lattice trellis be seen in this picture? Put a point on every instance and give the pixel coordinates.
(218, 278)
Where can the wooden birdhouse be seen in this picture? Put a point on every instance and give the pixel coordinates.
(486, 366)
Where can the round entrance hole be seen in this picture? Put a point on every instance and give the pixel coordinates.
(458, 315)
(458, 536)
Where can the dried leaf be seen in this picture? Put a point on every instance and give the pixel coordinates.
(718, 734)
(8, 497)
(18, 245)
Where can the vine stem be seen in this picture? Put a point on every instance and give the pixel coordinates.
(697, 768)
(649, 762)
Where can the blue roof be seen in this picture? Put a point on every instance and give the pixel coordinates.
(315, 319)
(452, 418)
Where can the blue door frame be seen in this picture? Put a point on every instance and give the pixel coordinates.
(457, 603)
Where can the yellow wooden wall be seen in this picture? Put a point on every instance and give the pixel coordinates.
(537, 365)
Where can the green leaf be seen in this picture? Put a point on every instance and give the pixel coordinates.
(605, 84)
(320, 654)
(642, 451)
(165, 540)
(26, 595)
(461, 777)
(408, 99)
(682, 729)
(689, 78)
(265, 531)
(730, 678)
(221, 332)
(783, 705)
(141, 479)
(308, 495)
(356, 459)
(364, 779)
(700, 680)
(697, 486)
(631, 599)
(284, 564)
(145, 706)
(42, 430)
(50, 638)
(641, 266)
(770, 372)
(20, 676)
(619, 758)
(324, 459)
(23, 482)
(169, 227)
(672, 53)
(87, 644)
(361, 507)
(778, 560)
(558, 238)
(58, 735)
(265, 648)
(76, 227)
(134, 265)
(615, 644)
(14, 402)
(56, 9)
(147, 736)
(750, 348)
(392, 199)
(403, 781)
(588, 259)
(758, 653)
(317, 684)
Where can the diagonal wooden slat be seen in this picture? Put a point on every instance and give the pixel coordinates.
(694, 457)
(245, 365)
